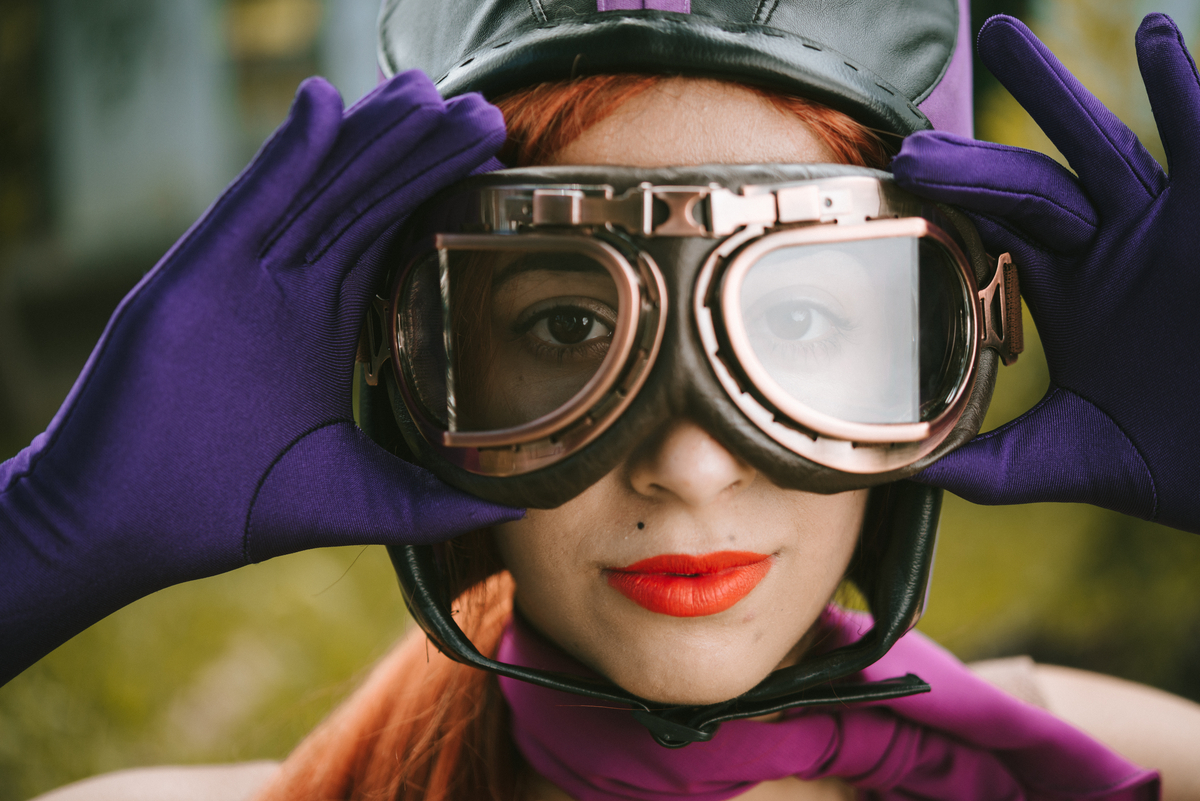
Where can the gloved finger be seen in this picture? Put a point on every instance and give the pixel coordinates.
(470, 134)
(1112, 165)
(1029, 190)
(375, 133)
(334, 486)
(1064, 449)
(1173, 88)
(295, 151)
(404, 166)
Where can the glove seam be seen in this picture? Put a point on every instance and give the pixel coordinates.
(317, 255)
(1129, 439)
(946, 185)
(318, 190)
(270, 469)
(1026, 240)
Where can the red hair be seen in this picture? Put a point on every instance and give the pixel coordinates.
(425, 728)
(544, 119)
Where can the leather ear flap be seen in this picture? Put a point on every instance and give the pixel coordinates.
(901, 576)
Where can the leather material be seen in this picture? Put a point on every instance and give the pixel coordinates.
(873, 59)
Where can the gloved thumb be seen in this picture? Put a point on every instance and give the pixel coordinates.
(1063, 449)
(334, 486)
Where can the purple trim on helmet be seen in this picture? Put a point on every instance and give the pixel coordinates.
(680, 6)
(949, 105)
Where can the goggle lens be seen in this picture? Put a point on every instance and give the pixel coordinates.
(508, 341)
(528, 331)
(864, 331)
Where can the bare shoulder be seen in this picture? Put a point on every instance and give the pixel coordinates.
(1148, 726)
(1144, 724)
(236, 782)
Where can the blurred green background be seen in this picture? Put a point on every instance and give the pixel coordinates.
(120, 120)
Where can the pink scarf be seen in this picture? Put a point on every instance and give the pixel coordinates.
(964, 740)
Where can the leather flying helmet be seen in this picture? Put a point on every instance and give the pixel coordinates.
(897, 67)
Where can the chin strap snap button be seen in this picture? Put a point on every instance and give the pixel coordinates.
(668, 733)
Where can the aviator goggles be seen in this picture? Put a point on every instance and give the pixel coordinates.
(827, 327)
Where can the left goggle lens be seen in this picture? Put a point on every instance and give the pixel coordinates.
(527, 332)
(507, 341)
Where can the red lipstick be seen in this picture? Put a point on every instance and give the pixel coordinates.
(690, 586)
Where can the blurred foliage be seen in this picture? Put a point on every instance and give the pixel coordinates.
(23, 202)
(241, 666)
(236, 667)
(272, 44)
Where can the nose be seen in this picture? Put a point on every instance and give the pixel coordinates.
(687, 464)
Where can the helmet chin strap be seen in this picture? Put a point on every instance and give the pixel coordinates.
(896, 599)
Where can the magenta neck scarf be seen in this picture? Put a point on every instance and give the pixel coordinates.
(965, 740)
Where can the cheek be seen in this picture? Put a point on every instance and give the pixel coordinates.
(556, 555)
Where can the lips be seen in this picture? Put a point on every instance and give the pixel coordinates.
(690, 586)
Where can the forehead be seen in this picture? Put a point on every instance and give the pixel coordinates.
(690, 121)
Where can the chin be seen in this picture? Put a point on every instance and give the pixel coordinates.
(693, 687)
(691, 674)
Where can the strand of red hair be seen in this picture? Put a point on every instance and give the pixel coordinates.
(425, 728)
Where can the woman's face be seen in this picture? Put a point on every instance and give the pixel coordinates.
(683, 575)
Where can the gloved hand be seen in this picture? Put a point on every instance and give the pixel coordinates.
(211, 426)
(1110, 268)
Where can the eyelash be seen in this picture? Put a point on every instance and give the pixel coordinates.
(821, 348)
(590, 349)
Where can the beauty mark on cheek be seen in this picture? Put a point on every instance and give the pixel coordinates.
(682, 585)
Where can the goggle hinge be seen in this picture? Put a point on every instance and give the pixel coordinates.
(373, 351)
(1001, 306)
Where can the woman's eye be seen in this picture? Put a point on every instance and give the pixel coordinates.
(569, 326)
(797, 321)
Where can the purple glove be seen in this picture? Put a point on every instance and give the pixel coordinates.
(1110, 267)
(211, 426)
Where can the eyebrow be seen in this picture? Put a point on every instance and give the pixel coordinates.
(548, 262)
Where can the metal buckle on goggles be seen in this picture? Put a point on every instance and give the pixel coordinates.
(841, 315)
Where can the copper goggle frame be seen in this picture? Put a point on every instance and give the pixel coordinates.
(636, 339)
(854, 206)
(861, 448)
